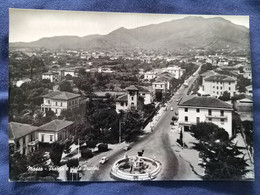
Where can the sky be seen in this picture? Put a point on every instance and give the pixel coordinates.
(28, 25)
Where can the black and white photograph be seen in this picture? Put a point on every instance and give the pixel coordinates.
(109, 96)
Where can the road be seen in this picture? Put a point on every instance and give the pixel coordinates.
(155, 145)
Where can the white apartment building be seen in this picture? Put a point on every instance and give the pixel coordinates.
(22, 138)
(52, 76)
(159, 86)
(56, 130)
(216, 85)
(205, 109)
(60, 100)
(150, 75)
(176, 71)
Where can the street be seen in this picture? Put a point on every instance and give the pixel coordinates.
(156, 145)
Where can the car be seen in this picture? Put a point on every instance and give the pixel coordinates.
(103, 160)
(127, 147)
(171, 109)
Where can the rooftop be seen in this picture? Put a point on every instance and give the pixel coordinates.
(55, 125)
(211, 102)
(209, 73)
(219, 78)
(18, 130)
(61, 95)
(122, 98)
(132, 87)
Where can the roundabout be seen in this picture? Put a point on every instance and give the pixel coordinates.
(135, 168)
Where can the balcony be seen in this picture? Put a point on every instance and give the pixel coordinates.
(216, 116)
(33, 143)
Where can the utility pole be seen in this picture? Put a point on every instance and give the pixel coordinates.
(119, 136)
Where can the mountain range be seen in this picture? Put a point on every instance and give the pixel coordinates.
(189, 33)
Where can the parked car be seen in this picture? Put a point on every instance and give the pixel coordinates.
(127, 147)
(103, 160)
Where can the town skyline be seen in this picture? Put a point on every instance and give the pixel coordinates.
(51, 23)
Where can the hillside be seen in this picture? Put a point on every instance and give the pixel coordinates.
(189, 33)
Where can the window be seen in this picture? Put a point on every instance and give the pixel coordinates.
(217, 92)
(51, 138)
(49, 101)
(210, 119)
(23, 140)
(61, 104)
(161, 86)
(186, 109)
(132, 98)
(213, 87)
(198, 119)
(220, 87)
(56, 103)
(122, 103)
(42, 137)
(221, 112)
(155, 85)
(222, 120)
(69, 103)
(229, 88)
(198, 110)
(217, 87)
(209, 112)
(229, 83)
(186, 119)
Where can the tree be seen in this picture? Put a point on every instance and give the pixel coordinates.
(68, 77)
(221, 159)
(56, 152)
(65, 86)
(17, 165)
(248, 131)
(225, 96)
(132, 126)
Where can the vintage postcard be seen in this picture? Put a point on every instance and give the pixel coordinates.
(99, 96)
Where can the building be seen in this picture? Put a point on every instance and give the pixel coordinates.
(166, 77)
(52, 76)
(216, 85)
(68, 71)
(55, 131)
(176, 71)
(205, 109)
(249, 91)
(159, 86)
(122, 103)
(247, 72)
(22, 138)
(60, 100)
(207, 74)
(150, 75)
(134, 98)
(145, 94)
